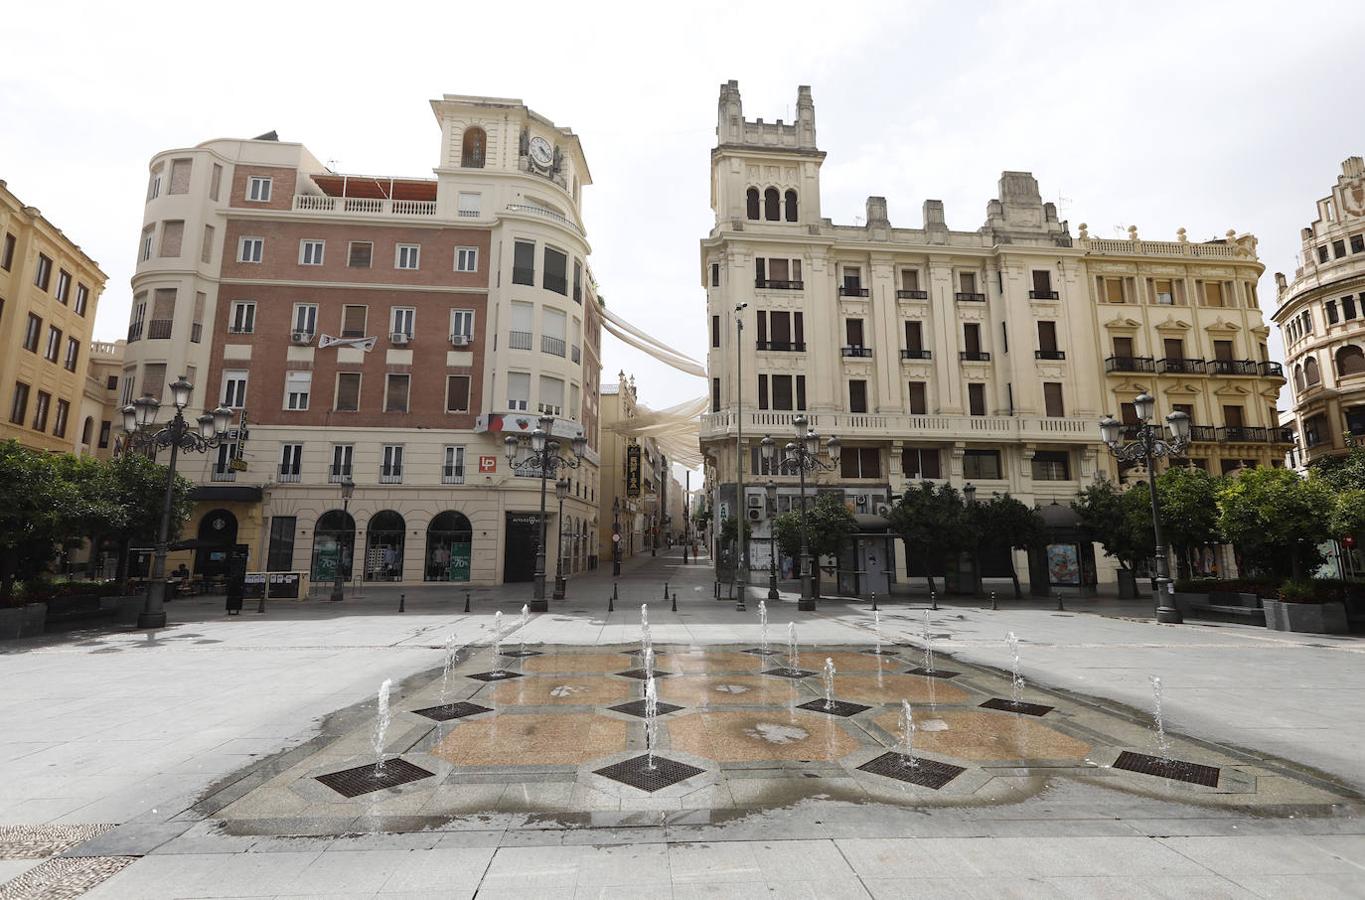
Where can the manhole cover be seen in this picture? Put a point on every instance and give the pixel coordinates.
(366, 779)
(932, 673)
(1026, 709)
(1174, 769)
(637, 708)
(522, 654)
(448, 711)
(875, 652)
(925, 772)
(637, 774)
(495, 675)
(788, 672)
(837, 708)
(758, 651)
(641, 674)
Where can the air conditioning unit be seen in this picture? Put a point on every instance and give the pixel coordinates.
(883, 509)
(755, 500)
(459, 340)
(861, 500)
(755, 515)
(301, 337)
(399, 337)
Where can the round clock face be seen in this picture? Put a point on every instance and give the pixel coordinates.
(540, 151)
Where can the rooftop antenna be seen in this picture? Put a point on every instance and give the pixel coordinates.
(1063, 203)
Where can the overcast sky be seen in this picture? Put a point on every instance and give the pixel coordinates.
(1208, 116)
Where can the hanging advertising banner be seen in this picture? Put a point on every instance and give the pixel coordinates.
(459, 562)
(633, 471)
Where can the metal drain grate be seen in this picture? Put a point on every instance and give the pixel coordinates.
(365, 780)
(640, 674)
(1174, 769)
(787, 672)
(637, 708)
(636, 774)
(495, 675)
(839, 708)
(448, 711)
(759, 651)
(1024, 709)
(935, 673)
(925, 773)
(522, 654)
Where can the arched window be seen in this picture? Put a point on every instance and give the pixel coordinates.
(87, 430)
(472, 150)
(450, 538)
(333, 543)
(1310, 371)
(1350, 360)
(791, 206)
(771, 205)
(1298, 377)
(384, 547)
(751, 202)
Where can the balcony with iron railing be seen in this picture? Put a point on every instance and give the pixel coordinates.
(363, 206)
(772, 284)
(781, 346)
(856, 352)
(852, 290)
(970, 297)
(135, 331)
(1049, 354)
(392, 476)
(551, 345)
(1272, 370)
(222, 475)
(1129, 364)
(912, 295)
(519, 340)
(575, 353)
(336, 474)
(917, 354)
(1241, 434)
(974, 356)
(247, 329)
(1233, 367)
(452, 474)
(1172, 366)
(288, 475)
(1042, 295)
(159, 329)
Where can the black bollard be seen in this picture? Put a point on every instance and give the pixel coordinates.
(611, 602)
(1060, 607)
(675, 601)
(874, 601)
(466, 601)
(933, 600)
(402, 602)
(614, 595)
(717, 591)
(665, 590)
(994, 604)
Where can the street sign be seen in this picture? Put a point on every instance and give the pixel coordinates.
(633, 471)
(616, 539)
(488, 464)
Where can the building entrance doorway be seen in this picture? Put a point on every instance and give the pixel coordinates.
(519, 561)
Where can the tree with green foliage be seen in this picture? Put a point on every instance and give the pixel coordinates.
(35, 509)
(1119, 521)
(1343, 473)
(135, 490)
(932, 522)
(829, 526)
(1348, 514)
(1004, 522)
(1269, 513)
(1189, 512)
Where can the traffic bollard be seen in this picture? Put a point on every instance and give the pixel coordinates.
(675, 601)
(665, 590)
(933, 600)
(614, 595)
(611, 603)
(402, 602)
(1060, 607)
(466, 601)
(874, 601)
(994, 604)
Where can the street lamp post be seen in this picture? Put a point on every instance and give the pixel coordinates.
(139, 422)
(687, 515)
(561, 491)
(803, 455)
(615, 536)
(741, 504)
(969, 493)
(347, 489)
(772, 539)
(1150, 446)
(544, 458)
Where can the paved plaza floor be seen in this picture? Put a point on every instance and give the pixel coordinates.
(235, 756)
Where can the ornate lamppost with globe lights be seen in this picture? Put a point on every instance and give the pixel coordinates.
(1148, 445)
(141, 433)
(338, 577)
(544, 459)
(561, 586)
(801, 456)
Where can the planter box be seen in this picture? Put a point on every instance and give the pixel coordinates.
(1127, 584)
(22, 621)
(126, 607)
(1307, 618)
(1186, 603)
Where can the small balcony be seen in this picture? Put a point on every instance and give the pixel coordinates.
(337, 475)
(551, 345)
(917, 354)
(223, 475)
(289, 477)
(1272, 370)
(852, 290)
(1282, 435)
(1234, 367)
(159, 329)
(970, 297)
(394, 476)
(135, 331)
(1042, 295)
(250, 329)
(1203, 434)
(856, 352)
(974, 356)
(1238, 434)
(912, 295)
(1129, 364)
(1170, 366)
(1049, 354)
(519, 340)
(770, 284)
(452, 475)
(781, 346)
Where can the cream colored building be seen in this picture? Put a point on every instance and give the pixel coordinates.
(389, 331)
(101, 414)
(1321, 315)
(49, 291)
(984, 357)
(629, 475)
